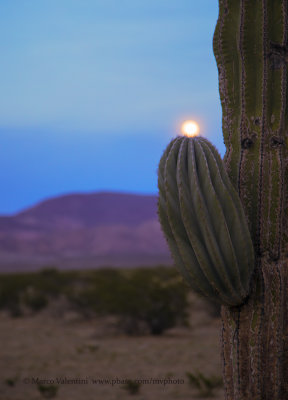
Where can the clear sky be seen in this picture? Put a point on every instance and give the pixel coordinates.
(92, 91)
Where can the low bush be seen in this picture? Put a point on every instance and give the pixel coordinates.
(11, 288)
(151, 300)
(132, 387)
(144, 300)
(48, 391)
(34, 299)
(205, 385)
(32, 289)
(11, 381)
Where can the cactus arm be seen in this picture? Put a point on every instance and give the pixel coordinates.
(179, 250)
(233, 212)
(203, 220)
(206, 225)
(222, 251)
(189, 218)
(174, 214)
(163, 218)
(198, 225)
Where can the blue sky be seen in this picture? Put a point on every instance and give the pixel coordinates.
(93, 90)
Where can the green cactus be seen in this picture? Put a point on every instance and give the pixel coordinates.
(251, 50)
(204, 222)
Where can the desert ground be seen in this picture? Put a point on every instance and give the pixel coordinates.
(74, 355)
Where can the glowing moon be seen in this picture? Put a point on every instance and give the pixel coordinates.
(190, 128)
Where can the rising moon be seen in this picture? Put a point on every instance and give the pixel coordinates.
(190, 128)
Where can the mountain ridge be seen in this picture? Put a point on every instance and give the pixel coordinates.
(84, 225)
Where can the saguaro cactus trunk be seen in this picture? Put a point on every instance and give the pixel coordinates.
(251, 50)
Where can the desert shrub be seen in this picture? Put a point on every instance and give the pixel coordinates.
(52, 282)
(11, 287)
(144, 299)
(205, 385)
(155, 298)
(48, 391)
(92, 293)
(132, 387)
(35, 299)
(32, 289)
(11, 381)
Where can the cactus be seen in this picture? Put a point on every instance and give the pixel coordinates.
(204, 222)
(251, 50)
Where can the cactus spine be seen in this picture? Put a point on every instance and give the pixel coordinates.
(251, 50)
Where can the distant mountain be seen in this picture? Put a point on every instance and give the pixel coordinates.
(84, 231)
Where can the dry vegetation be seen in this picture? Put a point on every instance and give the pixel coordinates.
(59, 342)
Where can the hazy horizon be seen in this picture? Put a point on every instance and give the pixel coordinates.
(92, 93)
(73, 193)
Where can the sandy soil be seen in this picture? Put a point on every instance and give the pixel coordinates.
(78, 352)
